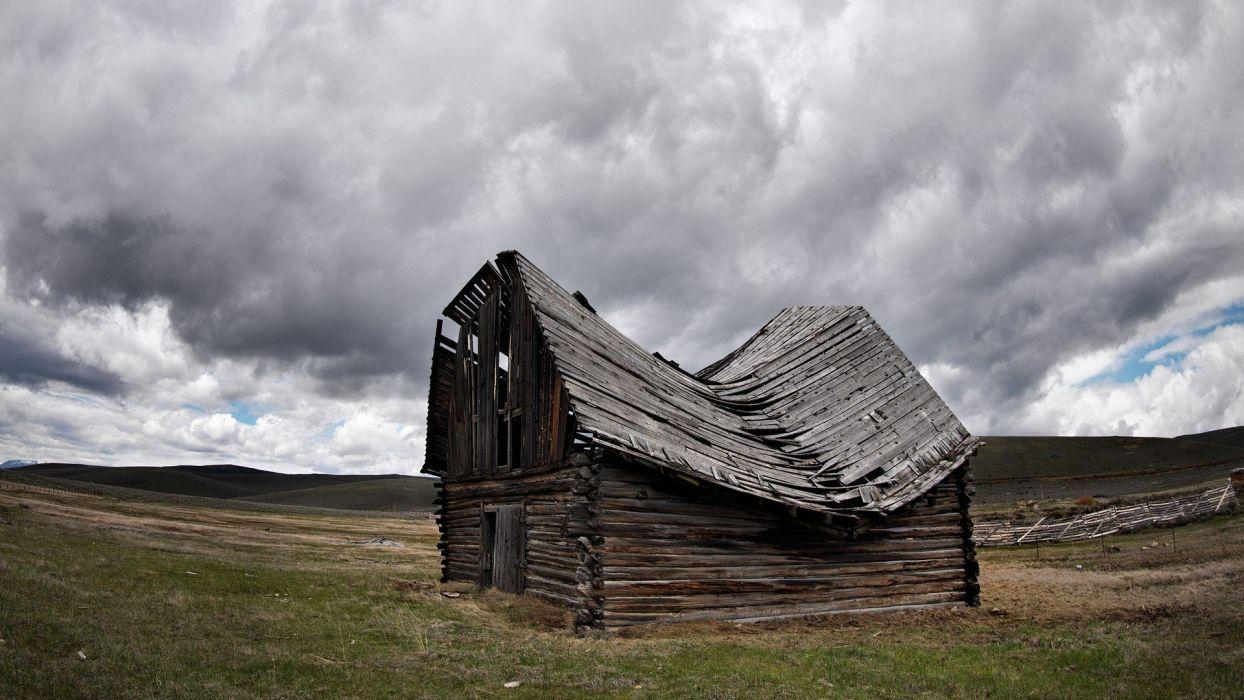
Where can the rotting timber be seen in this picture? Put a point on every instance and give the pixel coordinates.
(811, 471)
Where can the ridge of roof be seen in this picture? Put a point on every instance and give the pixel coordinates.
(819, 410)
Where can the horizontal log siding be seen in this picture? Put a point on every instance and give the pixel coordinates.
(675, 553)
(557, 564)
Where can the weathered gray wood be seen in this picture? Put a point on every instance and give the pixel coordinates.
(622, 392)
(508, 549)
(614, 618)
(668, 602)
(811, 470)
(1108, 521)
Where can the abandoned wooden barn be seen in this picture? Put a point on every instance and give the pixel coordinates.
(812, 470)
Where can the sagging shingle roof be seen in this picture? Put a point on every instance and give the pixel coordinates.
(819, 410)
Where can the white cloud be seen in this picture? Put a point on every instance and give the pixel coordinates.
(1203, 391)
(270, 202)
(175, 408)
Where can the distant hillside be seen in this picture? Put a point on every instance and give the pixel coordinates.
(387, 493)
(227, 481)
(1020, 467)
(1233, 437)
(1020, 457)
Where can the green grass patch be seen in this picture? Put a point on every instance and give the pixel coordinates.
(240, 612)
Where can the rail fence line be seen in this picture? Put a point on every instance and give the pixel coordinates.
(9, 484)
(1108, 521)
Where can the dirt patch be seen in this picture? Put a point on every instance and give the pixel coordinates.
(1127, 578)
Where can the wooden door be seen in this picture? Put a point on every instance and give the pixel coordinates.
(503, 543)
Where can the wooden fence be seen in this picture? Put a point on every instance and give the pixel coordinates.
(1108, 521)
(10, 484)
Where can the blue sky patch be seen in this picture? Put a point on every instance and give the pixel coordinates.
(331, 430)
(1137, 362)
(246, 411)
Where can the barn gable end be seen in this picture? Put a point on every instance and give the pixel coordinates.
(812, 470)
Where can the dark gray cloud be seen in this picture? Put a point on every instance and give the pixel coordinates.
(250, 295)
(28, 363)
(1006, 187)
(29, 358)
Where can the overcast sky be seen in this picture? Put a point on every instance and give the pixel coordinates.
(227, 229)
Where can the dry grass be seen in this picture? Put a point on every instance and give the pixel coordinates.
(291, 605)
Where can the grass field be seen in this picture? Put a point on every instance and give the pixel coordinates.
(385, 492)
(174, 600)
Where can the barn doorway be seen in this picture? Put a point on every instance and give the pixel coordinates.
(503, 539)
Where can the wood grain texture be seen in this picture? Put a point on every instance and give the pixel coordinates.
(543, 505)
(674, 552)
(810, 471)
(819, 410)
(1109, 521)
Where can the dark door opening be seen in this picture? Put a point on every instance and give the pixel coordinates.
(503, 540)
(487, 536)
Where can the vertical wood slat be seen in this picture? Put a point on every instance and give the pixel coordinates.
(487, 547)
(529, 377)
(546, 403)
(537, 385)
(535, 391)
(508, 549)
(520, 344)
(486, 389)
(461, 431)
(516, 374)
(557, 410)
(541, 455)
(440, 405)
(524, 320)
(532, 421)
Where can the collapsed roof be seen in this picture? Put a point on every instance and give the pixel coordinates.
(819, 410)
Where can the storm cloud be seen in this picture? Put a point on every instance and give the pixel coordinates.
(27, 362)
(279, 199)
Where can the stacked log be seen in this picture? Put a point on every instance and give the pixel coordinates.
(971, 569)
(584, 526)
(551, 554)
(674, 553)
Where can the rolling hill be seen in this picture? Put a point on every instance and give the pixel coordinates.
(1013, 468)
(1233, 437)
(1008, 469)
(386, 493)
(383, 492)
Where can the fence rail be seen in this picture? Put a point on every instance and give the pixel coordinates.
(1108, 521)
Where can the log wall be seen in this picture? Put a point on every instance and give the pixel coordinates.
(558, 565)
(672, 552)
